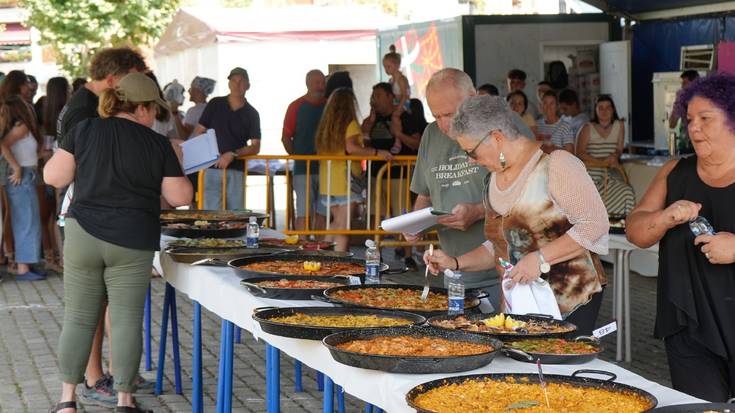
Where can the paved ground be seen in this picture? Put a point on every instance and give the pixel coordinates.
(31, 314)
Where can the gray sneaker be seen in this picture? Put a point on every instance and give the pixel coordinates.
(144, 386)
(101, 394)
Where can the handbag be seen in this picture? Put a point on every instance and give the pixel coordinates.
(358, 184)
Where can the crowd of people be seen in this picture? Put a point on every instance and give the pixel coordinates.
(314, 125)
(92, 157)
(531, 182)
(325, 122)
(557, 120)
(554, 181)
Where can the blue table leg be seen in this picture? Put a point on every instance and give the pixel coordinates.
(320, 381)
(238, 331)
(297, 387)
(228, 367)
(276, 378)
(340, 399)
(175, 340)
(162, 341)
(268, 377)
(147, 327)
(368, 408)
(221, 373)
(273, 378)
(328, 404)
(197, 403)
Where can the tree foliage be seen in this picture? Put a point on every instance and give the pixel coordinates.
(388, 6)
(236, 3)
(76, 29)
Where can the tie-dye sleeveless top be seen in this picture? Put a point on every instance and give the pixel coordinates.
(534, 221)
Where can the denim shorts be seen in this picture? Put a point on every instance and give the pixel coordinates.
(299, 187)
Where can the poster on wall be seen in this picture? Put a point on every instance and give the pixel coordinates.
(425, 48)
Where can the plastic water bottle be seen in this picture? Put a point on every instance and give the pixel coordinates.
(372, 263)
(253, 233)
(456, 292)
(701, 226)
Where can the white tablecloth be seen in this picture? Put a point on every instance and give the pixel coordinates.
(218, 290)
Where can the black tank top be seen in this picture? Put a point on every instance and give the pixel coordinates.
(692, 293)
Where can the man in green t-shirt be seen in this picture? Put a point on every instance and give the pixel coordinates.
(446, 181)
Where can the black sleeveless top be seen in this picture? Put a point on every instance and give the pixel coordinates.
(692, 293)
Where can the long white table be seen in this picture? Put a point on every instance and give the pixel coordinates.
(218, 290)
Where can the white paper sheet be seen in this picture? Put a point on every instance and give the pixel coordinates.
(412, 222)
(200, 152)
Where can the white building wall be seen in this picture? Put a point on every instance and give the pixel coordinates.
(186, 64)
(520, 46)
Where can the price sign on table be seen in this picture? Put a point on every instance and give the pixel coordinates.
(605, 330)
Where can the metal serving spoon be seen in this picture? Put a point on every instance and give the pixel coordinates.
(425, 292)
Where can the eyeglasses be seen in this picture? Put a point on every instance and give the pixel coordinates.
(472, 153)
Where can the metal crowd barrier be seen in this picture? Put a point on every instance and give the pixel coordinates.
(379, 202)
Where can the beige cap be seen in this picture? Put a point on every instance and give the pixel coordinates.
(139, 88)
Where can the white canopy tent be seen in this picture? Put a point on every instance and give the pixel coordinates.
(277, 46)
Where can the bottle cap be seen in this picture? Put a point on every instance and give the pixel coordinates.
(448, 273)
(253, 219)
(370, 243)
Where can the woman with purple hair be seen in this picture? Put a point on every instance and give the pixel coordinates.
(696, 275)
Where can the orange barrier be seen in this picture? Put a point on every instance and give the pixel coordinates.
(380, 195)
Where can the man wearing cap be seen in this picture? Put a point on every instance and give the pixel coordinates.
(237, 126)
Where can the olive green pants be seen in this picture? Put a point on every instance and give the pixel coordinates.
(96, 271)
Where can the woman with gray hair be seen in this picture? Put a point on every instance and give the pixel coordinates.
(200, 89)
(542, 212)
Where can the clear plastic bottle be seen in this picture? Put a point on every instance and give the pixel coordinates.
(253, 233)
(372, 263)
(456, 292)
(701, 226)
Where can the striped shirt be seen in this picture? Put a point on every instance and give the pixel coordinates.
(560, 132)
(600, 147)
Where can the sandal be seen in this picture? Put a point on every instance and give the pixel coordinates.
(62, 405)
(131, 409)
(54, 266)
